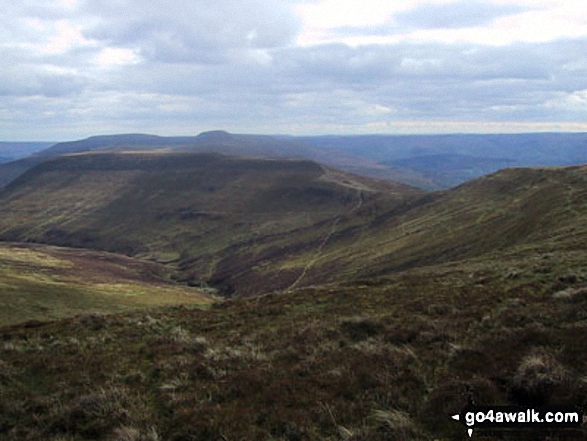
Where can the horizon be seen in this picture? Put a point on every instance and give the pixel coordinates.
(277, 135)
(298, 67)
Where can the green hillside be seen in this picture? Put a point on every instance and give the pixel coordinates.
(46, 283)
(530, 210)
(251, 226)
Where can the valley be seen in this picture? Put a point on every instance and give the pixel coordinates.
(158, 294)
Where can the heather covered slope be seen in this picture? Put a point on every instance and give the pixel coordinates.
(219, 219)
(384, 359)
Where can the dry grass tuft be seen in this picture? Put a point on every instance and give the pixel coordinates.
(537, 378)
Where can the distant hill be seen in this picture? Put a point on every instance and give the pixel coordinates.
(430, 162)
(538, 149)
(449, 160)
(243, 145)
(207, 214)
(16, 150)
(450, 169)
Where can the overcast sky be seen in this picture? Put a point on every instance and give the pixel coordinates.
(75, 68)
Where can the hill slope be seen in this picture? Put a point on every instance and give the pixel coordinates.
(45, 283)
(251, 225)
(228, 144)
(217, 218)
(530, 209)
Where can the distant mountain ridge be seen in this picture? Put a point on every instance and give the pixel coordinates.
(452, 155)
(226, 143)
(430, 162)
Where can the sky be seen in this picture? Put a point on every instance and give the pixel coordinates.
(76, 68)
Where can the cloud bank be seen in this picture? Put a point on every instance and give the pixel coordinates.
(75, 68)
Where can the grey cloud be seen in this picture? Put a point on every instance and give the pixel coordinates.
(21, 77)
(193, 31)
(234, 68)
(455, 15)
(461, 82)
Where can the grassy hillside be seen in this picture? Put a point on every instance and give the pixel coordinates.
(251, 226)
(45, 283)
(534, 210)
(216, 218)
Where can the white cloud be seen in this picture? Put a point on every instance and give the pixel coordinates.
(330, 21)
(66, 36)
(110, 57)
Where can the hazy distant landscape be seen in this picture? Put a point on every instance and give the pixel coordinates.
(430, 162)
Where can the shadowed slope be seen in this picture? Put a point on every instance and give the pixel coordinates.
(219, 219)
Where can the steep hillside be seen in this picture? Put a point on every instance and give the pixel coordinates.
(218, 219)
(251, 226)
(535, 210)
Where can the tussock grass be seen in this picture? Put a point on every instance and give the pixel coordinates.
(375, 362)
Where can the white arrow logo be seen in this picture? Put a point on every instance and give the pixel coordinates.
(457, 417)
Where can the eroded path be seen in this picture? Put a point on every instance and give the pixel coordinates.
(333, 228)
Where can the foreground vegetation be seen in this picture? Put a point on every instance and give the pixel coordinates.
(380, 359)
